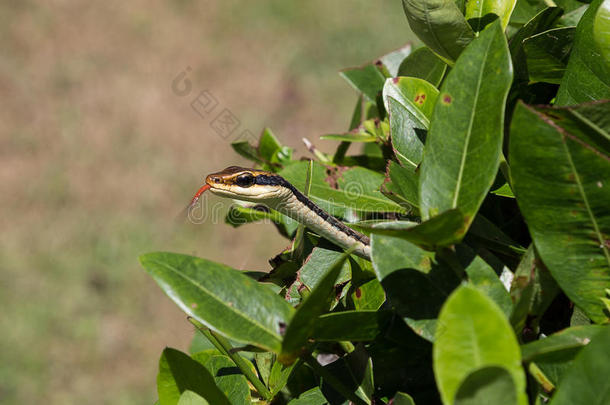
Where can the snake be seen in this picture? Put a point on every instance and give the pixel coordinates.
(275, 192)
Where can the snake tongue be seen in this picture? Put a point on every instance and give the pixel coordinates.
(202, 190)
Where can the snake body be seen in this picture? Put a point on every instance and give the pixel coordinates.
(277, 193)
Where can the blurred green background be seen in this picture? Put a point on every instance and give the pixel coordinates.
(99, 155)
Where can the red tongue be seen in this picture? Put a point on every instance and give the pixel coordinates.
(202, 190)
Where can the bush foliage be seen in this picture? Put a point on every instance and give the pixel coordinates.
(483, 179)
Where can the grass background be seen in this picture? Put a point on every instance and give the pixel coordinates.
(98, 156)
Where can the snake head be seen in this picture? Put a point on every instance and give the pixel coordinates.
(246, 184)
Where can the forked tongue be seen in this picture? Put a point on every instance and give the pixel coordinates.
(202, 190)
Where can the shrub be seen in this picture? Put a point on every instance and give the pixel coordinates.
(484, 184)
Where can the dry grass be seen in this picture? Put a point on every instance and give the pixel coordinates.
(99, 155)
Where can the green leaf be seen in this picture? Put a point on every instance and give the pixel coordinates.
(312, 397)
(547, 54)
(560, 164)
(207, 291)
(357, 189)
(542, 21)
(306, 315)
(532, 290)
(401, 185)
(442, 230)
(463, 148)
(484, 278)
(247, 151)
(415, 286)
(424, 64)
(239, 215)
(393, 60)
(354, 326)
(367, 79)
(178, 373)
(472, 333)
(229, 379)
(392, 253)
(587, 76)
(487, 385)
(504, 191)
(358, 136)
(566, 340)
(407, 134)
(268, 145)
(190, 398)
(440, 25)
(317, 265)
(354, 371)
(480, 13)
(280, 374)
(402, 399)
(587, 380)
(416, 95)
(368, 295)
(571, 18)
(410, 102)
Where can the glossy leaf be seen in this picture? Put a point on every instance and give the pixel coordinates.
(473, 333)
(483, 277)
(407, 134)
(279, 376)
(479, 13)
(355, 372)
(487, 385)
(442, 230)
(393, 60)
(367, 296)
(354, 326)
(415, 286)
(547, 54)
(178, 373)
(417, 95)
(587, 77)
(306, 315)
(191, 398)
(357, 189)
(560, 164)
(367, 79)
(424, 64)
(587, 380)
(358, 136)
(410, 102)
(229, 379)
(313, 396)
(401, 185)
(440, 25)
(239, 215)
(463, 148)
(541, 22)
(532, 291)
(317, 265)
(207, 291)
(566, 340)
(402, 399)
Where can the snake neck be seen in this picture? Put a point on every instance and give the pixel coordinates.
(300, 208)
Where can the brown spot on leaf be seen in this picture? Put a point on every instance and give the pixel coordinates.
(395, 80)
(420, 98)
(333, 174)
(358, 292)
(446, 99)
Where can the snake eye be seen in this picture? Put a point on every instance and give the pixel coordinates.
(244, 180)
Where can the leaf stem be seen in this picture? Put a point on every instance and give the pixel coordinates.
(225, 347)
(333, 381)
